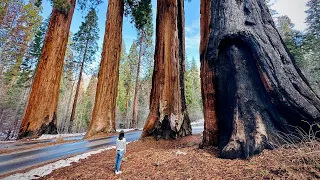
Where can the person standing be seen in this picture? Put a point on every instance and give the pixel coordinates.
(120, 151)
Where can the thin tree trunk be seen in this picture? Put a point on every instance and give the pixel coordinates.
(210, 133)
(4, 12)
(63, 128)
(168, 115)
(1, 116)
(259, 89)
(40, 115)
(74, 106)
(136, 89)
(16, 67)
(128, 121)
(103, 116)
(16, 119)
(1, 71)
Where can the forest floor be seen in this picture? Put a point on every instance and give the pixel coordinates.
(182, 159)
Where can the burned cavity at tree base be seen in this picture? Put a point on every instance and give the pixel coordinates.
(50, 128)
(259, 89)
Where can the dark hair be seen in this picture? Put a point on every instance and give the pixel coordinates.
(121, 135)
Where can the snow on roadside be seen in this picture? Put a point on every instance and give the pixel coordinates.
(55, 136)
(48, 168)
(125, 130)
(198, 122)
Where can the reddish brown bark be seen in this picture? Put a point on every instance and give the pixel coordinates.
(210, 133)
(74, 106)
(136, 89)
(103, 116)
(40, 115)
(168, 114)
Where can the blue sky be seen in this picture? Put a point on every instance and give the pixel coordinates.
(129, 34)
(293, 8)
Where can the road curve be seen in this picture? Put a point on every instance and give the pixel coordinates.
(25, 159)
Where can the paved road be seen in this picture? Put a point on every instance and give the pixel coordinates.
(28, 158)
(25, 144)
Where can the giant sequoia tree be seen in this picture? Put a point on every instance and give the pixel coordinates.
(103, 115)
(168, 113)
(251, 86)
(40, 115)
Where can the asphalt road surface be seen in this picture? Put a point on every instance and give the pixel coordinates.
(25, 159)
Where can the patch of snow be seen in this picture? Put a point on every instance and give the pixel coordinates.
(55, 136)
(180, 153)
(199, 122)
(125, 130)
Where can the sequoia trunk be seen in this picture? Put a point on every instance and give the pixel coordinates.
(168, 115)
(259, 90)
(40, 115)
(103, 115)
(208, 90)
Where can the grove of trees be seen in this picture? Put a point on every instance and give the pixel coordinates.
(258, 75)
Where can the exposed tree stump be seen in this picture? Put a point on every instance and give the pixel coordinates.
(259, 89)
(168, 116)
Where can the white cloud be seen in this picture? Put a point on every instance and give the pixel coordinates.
(193, 41)
(194, 27)
(295, 10)
(193, 34)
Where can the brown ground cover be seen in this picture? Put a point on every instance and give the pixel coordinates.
(182, 159)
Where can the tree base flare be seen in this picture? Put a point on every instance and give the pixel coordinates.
(165, 129)
(51, 128)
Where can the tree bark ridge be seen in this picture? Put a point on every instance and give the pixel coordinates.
(259, 90)
(168, 115)
(103, 115)
(41, 112)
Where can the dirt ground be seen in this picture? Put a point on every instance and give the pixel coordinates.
(182, 159)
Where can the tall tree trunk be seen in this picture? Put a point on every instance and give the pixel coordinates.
(136, 89)
(103, 115)
(4, 11)
(74, 106)
(23, 48)
(168, 113)
(208, 90)
(18, 108)
(127, 119)
(63, 128)
(40, 115)
(259, 89)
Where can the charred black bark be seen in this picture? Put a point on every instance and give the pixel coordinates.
(260, 91)
(51, 128)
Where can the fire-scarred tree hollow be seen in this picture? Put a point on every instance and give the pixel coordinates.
(258, 90)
